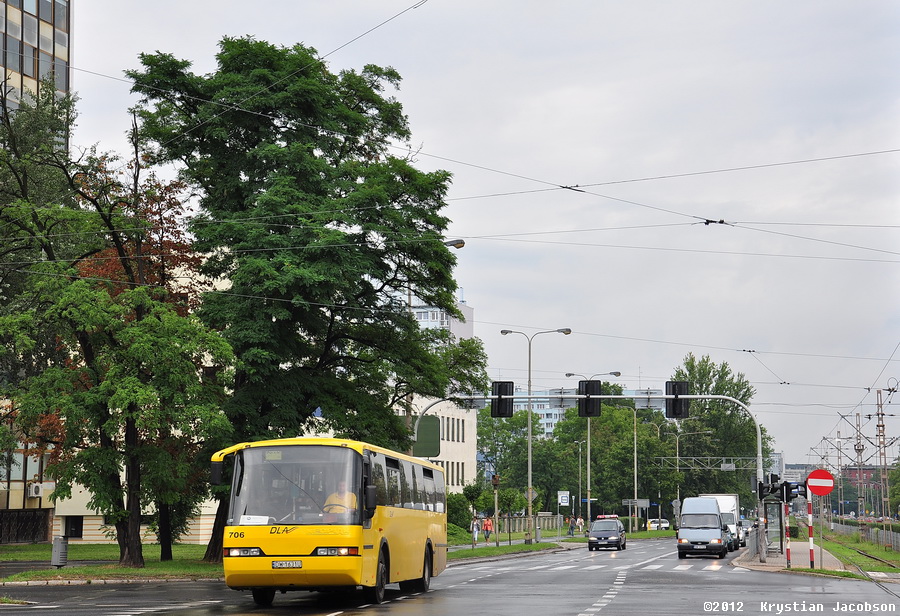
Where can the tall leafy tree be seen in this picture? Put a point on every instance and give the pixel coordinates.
(123, 387)
(733, 431)
(320, 234)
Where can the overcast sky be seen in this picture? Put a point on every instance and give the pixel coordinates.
(778, 118)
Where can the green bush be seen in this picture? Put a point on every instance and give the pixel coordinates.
(457, 535)
(458, 510)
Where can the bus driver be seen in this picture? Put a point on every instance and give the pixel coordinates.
(341, 501)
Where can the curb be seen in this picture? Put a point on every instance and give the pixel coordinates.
(77, 582)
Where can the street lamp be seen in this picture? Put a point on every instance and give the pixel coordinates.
(456, 243)
(588, 460)
(678, 435)
(578, 509)
(565, 331)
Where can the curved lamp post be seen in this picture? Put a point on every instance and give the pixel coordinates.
(565, 331)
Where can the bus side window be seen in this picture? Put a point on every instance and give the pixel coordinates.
(378, 478)
(440, 496)
(418, 488)
(429, 488)
(393, 481)
(406, 484)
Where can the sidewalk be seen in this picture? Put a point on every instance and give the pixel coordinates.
(776, 561)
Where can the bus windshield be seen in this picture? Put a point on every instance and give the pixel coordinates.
(293, 484)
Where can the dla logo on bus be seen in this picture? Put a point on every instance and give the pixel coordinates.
(282, 530)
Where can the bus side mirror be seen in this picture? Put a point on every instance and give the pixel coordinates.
(215, 473)
(371, 496)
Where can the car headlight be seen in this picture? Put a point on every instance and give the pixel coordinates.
(716, 541)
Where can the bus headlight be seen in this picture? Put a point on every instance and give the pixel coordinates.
(337, 551)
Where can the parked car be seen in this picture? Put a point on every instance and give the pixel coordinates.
(606, 532)
(658, 524)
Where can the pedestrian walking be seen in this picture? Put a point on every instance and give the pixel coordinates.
(572, 526)
(487, 527)
(476, 526)
(579, 524)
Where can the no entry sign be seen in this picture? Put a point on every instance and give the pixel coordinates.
(820, 482)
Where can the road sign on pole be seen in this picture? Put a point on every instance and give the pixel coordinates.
(820, 482)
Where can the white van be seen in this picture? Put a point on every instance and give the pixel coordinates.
(730, 508)
(700, 528)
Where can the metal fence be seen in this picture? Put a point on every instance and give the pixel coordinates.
(873, 534)
(24, 525)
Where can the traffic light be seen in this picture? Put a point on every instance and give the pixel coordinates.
(677, 408)
(589, 407)
(502, 405)
(787, 492)
(791, 490)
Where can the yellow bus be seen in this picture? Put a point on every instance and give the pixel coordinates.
(331, 514)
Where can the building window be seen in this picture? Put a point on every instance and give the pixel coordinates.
(74, 526)
(61, 18)
(45, 37)
(13, 54)
(61, 73)
(29, 62)
(30, 30)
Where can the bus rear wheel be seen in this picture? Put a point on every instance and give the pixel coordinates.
(375, 594)
(423, 583)
(263, 596)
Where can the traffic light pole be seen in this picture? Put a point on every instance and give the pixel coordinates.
(760, 531)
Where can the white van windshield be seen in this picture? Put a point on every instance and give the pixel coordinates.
(699, 520)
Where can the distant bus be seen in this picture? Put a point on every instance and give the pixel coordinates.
(328, 514)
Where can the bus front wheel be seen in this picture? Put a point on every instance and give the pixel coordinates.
(263, 596)
(375, 594)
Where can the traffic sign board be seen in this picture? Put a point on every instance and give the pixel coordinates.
(820, 482)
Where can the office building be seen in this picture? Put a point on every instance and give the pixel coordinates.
(36, 45)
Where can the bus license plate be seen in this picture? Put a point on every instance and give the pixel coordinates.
(287, 564)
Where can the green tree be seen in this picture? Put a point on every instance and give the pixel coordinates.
(733, 431)
(123, 385)
(325, 237)
(472, 491)
(502, 443)
(458, 510)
